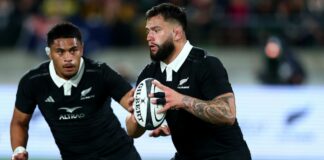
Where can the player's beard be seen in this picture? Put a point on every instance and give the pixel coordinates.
(164, 50)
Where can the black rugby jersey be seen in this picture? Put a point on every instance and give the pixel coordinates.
(83, 124)
(203, 77)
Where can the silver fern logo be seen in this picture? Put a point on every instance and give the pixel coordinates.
(84, 94)
(182, 82)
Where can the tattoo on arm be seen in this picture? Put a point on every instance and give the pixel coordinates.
(216, 111)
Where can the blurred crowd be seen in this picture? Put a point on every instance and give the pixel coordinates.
(120, 23)
(281, 65)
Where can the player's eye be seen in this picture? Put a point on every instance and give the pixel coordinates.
(156, 30)
(60, 51)
(73, 50)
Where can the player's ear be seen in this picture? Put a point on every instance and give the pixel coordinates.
(48, 52)
(177, 33)
(82, 49)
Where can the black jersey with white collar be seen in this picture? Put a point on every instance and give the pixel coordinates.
(203, 77)
(83, 124)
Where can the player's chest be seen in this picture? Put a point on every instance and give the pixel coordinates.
(183, 81)
(83, 100)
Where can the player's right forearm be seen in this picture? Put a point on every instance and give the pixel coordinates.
(133, 129)
(18, 135)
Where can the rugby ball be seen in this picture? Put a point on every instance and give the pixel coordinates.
(144, 111)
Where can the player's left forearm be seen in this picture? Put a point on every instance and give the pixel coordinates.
(220, 110)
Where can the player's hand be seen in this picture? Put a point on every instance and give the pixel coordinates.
(163, 130)
(173, 99)
(133, 128)
(130, 100)
(130, 117)
(20, 156)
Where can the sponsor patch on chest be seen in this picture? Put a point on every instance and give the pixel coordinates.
(69, 113)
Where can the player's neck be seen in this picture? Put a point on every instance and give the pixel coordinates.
(178, 46)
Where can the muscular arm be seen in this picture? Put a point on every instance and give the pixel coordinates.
(19, 129)
(220, 110)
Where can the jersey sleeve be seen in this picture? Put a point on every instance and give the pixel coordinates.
(25, 100)
(214, 78)
(116, 85)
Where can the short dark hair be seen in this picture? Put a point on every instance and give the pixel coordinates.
(63, 30)
(169, 11)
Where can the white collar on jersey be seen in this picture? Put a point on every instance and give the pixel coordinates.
(177, 62)
(67, 84)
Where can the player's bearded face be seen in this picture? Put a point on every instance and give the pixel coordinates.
(164, 50)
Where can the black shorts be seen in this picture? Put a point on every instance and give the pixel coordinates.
(243, 154)
(127, 152)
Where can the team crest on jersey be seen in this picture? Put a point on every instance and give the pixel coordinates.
(85, 94)
(182, 83)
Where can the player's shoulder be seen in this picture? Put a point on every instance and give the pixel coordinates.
(197, 54)
(92, 65)
(201, 56)
(151, 66)
(40, 70)
(148, 71)
(94, 68)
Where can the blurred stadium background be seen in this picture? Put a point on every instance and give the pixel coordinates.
(280, 121)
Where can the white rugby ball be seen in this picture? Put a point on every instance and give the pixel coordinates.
(145, 112)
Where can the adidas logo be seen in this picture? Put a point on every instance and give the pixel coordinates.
(49, 99)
